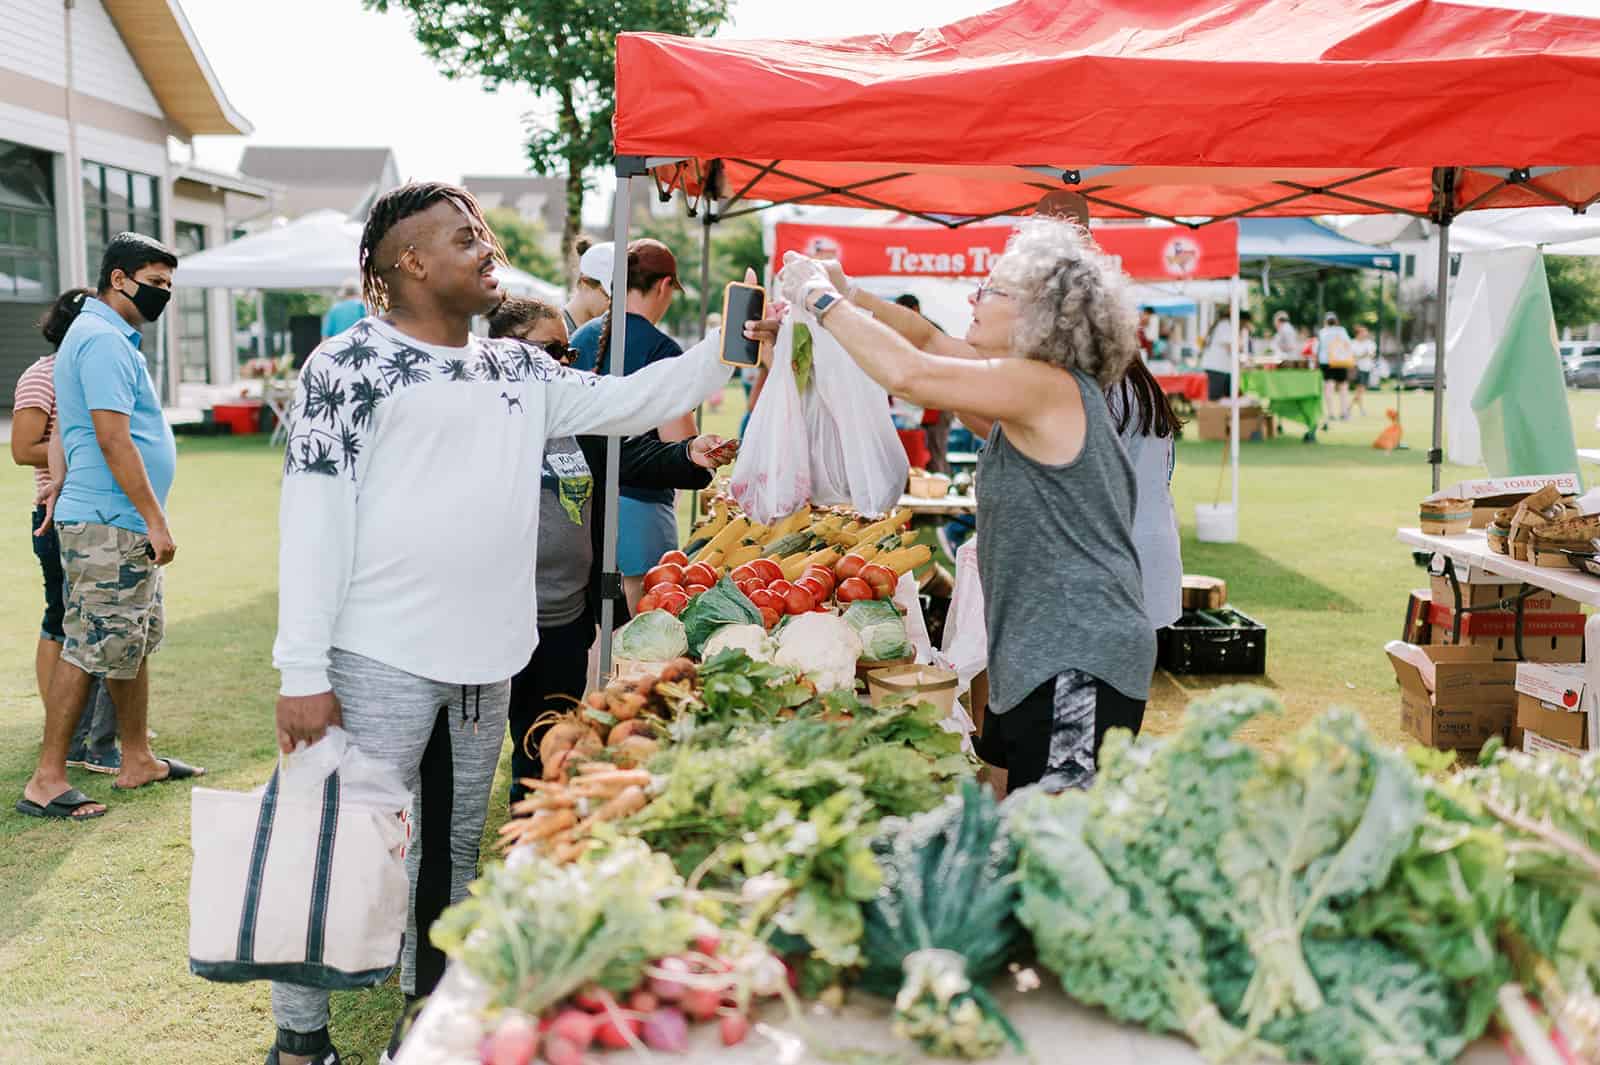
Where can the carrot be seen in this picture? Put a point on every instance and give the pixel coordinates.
(561, 736)
(630, 801)
(636, 750)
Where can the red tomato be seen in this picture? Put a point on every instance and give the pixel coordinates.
(823, 576)
(779, 587)
(747, 588)
(769, 616)
(849, 566)
(882, 579)
(765, 599)
(819, 593)
(696, 589)
(700, 573)
(668, 573)
(744, 573)
(671, 598)
(852, 589)
(767, 569)
(677, 558)
(610, 1033)
(674, 605)
(648, 602)
(798, 601)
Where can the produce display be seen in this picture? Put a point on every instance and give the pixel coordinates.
(1327, 901)
(713, 836)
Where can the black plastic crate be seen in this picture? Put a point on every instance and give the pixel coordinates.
(1213, 641)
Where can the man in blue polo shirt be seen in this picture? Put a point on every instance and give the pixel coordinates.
(112, 523)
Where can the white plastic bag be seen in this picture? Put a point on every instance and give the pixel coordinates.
(908, 597)
(303, 879)
(857, 455)
(772, 478)
(966, 639)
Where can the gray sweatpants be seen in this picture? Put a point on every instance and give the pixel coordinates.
(445, 739)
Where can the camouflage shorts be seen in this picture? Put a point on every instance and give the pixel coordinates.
(114, 615)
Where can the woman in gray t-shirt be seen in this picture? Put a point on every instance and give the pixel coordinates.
(1071, 650)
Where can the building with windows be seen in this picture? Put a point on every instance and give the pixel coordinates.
(347, 180)
(96, 97)
(541, 200)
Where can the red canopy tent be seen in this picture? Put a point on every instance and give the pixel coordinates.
(1184, 110)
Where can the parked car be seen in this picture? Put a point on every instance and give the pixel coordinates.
(1417, 369)
(1585, 373)
(1574, 351)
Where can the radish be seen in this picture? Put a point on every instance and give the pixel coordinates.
(643, 1002)
(735, 1026)
(618, 1033)
(590, 1000)
(514, 1042)
(666, 1029)
(701, 1004)
(669, 988)
(707, 943)
(559, 1051)
(574, 1026)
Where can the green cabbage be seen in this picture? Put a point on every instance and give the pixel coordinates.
(723, 604)
(654, 636)
(882, 630)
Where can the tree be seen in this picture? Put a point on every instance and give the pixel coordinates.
(565, 51)
(1351, 294)
(523, 242)
(735, 245)
(1574, 290)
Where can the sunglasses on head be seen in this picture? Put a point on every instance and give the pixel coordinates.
(558, 350)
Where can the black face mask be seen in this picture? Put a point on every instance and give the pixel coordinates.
(148, 300)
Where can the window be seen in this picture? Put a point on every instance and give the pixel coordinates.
(27, 225)
(194, 307)
(117, 201)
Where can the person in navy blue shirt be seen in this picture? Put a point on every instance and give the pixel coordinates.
(112, 523)
(647, 521)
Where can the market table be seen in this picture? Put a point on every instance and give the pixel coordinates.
(1292, 394)
(1589, 455)
(1471, 548)
(447, 1033)
(1191, 386)
(945, 506)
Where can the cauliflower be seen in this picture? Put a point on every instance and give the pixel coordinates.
(824, 647)
(751, 639)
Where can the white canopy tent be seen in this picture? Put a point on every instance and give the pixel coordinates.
(317, 250)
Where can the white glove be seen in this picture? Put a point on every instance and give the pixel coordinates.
(803, 281)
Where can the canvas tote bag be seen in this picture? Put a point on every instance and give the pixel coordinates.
(302, 880)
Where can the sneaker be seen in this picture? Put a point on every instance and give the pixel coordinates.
(317, 1044)
(109, 763)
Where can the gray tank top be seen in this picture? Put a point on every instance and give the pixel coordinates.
(1061, 581)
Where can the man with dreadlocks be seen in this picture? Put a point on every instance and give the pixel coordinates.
(408, 522)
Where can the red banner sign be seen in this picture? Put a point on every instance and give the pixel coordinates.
(1146, 253)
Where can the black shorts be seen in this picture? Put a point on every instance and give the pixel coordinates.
(1337, 374)
(1219, 383)
(1054, 735)
(47, 549)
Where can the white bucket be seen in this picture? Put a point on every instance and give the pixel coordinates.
(1216, 523)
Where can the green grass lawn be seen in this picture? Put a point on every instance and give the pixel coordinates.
(93, 917)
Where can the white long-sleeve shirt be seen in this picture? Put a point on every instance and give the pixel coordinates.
(410, 505)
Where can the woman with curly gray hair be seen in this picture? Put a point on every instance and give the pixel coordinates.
(1071, 651)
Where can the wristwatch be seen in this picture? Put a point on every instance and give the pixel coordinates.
(824, 304)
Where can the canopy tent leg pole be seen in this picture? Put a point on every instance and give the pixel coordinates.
(610, 580)
(707, 218)
(1233, 396)
(1436, 453)
(261, 324)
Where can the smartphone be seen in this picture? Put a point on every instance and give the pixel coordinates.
(741, 303)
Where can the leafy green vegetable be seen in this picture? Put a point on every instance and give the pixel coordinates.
(534, 931)
(945, 1012)
(722, 604)
(802, 357)
(654, 636)
(882, 629)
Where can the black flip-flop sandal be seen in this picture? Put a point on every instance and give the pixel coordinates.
(60, 808)
(176, 770)
(315, 1045)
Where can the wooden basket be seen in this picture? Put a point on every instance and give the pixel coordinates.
(1445, 517)
(928, 485)
(923, 684)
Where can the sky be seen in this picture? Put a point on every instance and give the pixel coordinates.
(330, 73)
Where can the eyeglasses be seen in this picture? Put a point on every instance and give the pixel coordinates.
(558, 350)
(988, 288)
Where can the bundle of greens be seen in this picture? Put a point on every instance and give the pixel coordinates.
(942, 924)
(1322, 900)
(534, 931)
(786, 813)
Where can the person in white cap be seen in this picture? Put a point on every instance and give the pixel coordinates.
(591, 296)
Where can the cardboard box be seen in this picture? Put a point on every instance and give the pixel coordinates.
(1545, 637)
(1418, 629)
(1214, 420)
(1558, 684)
(1567, 727)
(1472, 699)
(1489, 494)
(1533, 743)
(1487, 593)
